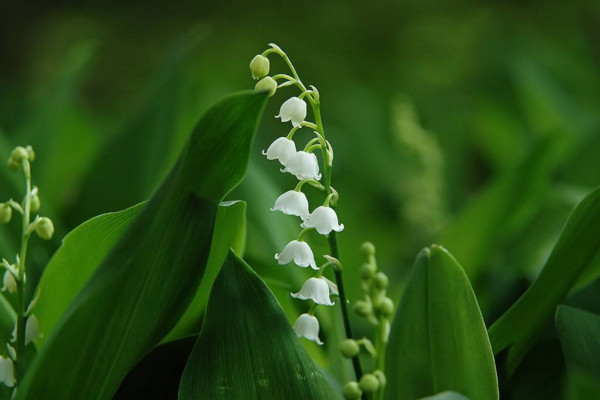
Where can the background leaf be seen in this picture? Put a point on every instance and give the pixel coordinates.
(438, 340)
(575, 251)
(147, 281)
(247, 348)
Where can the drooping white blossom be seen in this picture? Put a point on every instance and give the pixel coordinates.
(292, 202)
(293, 109)
(307, 326)
(9, 282)
(7, 371)
(303, 165)
(332, 287)
(315, 289)
(32, 329)
(299, 252)
(324, 220)
(281, 149)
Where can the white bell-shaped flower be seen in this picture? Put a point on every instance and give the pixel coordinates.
(307, 326)
(7, 371)
(299, 252)
(281, 149)
(9, 282)
(32, 329)
(324, 220)
(292, 202)
(315, 289)
(303, 165)
(293, 109)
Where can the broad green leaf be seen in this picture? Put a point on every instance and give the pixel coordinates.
(446, 396)
(577, 248)
(82, 251)
(438, 340)
(144, 285)
(579, 333)
(247, 348)
(230, 233)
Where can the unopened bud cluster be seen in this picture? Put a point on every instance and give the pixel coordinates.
(377, 308)
(15, 276)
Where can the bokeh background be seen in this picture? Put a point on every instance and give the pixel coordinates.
(473, 124)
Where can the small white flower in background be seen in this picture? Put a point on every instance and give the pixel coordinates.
(307, 326)
(294, 109)
(316, 289)
(9, 282)
(7, 371)
(281, 149)
(303, 165)
(32, 329)
(324, 220)
(292, 203)
(299, 252)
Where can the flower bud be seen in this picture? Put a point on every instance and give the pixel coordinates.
(9, 282)
(267, 84)
(259, 66)
(362, 308)
(351, 391)
(44, 228)
(380, 377)
(369, 383)
(30, 153)
(349, 348)
(35, 203)
(387, 307)
(381, 281)
(5, 213)
(19, 154)
(367, 271)
(368, 249)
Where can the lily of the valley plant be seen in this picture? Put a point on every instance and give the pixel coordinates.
(303, 163)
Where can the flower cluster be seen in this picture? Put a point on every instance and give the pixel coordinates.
(13, 282)
(304, 165)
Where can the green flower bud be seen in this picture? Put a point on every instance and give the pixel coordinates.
(369, 383)
(367, 271)
(362, 308)
(381, 281)
(267, 84)
(349, 348)
(387, 307)
(17, 156)
(380, 377)
(44, 228)
(35, 203)
(30, 153)
(368, 249)
(5, 213)
(351, 391)
(259, 66)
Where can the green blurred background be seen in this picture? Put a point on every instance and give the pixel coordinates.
(473, 124)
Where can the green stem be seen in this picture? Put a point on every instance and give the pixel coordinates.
(21, 318)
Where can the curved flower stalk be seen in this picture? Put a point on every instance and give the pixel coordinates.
(304, 165)
(26, 331)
